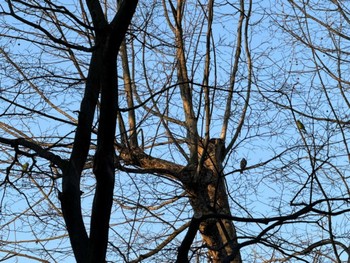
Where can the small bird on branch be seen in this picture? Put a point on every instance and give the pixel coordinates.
(243, 164)
(25, 168)
(301, 126)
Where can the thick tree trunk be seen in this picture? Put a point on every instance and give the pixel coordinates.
(104, 158)
(70, 196)
(207, 194)
(219, 235)
(102, 79)
(212, 200)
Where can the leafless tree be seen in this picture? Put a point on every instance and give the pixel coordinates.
(127, 145)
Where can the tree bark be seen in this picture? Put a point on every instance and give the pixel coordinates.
(102, 78)
(70, 196)
(207, 194)
(210, 200)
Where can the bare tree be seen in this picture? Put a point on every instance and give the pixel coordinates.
(208, 131)
(101, 81)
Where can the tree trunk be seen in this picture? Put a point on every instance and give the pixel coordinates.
(102, 79)
(206, 191)
(210, 199)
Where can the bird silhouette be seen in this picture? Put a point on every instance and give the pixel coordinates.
(243, 164)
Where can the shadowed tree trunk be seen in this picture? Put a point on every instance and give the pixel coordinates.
(102, 79)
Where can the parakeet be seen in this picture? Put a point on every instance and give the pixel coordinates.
(243, 164)
(25, 167)
(300, 126)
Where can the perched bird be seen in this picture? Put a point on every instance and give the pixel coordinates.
(25, 168)
(243, 164)
(300, 126)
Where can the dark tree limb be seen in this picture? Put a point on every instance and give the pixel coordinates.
(109, 39)
(182, 256)
(70, 197)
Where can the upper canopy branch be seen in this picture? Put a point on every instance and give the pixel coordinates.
(46, 32)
